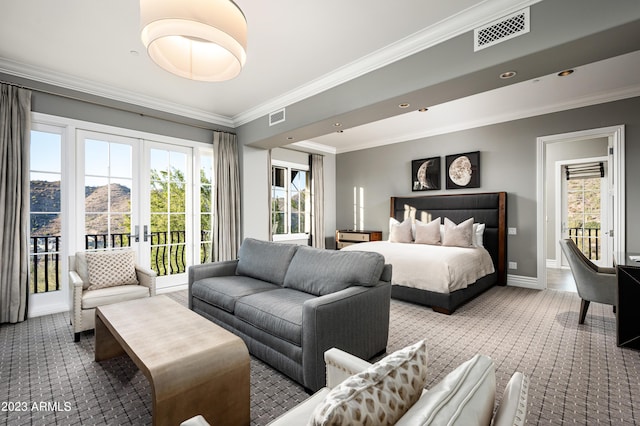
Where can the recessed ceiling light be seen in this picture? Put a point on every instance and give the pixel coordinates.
(404, 105)
(565, 73)
(340, 131)
(508, 74)
(134, 52)
(337, 124)
(290, 138)
(423, 109)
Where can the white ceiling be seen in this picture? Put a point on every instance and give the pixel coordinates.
(295, 49)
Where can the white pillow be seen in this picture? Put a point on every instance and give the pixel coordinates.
(460, 235)
(400, 232)
(381, 394)
(478, 234)
(428, 233)
(465, 396)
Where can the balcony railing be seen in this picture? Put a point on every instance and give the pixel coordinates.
(167, 254)
(588, 240)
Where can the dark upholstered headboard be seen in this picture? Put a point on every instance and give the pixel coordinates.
(488, 208)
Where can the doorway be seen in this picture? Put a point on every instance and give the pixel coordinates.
(583, 206)
(612, 140)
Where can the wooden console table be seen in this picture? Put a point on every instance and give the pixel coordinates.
(628, 311)
(194, 367)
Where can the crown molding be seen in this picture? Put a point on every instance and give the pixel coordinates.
(449, 28)
(66, 81)
(579, 102)
(314, 146)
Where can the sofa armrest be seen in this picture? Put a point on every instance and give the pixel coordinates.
(342, 365)
(75, 281)
(147, 278)
(355, 320)
(512, 410)
(213, 269)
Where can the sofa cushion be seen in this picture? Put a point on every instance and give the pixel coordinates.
(465, 396)
(109, 295)
(265, 260)
(379, 395)
(277, 312)
(321, 272)
(111, 268)
(223, 292)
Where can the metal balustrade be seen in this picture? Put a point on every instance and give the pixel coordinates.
(167, 254)
(588, 240)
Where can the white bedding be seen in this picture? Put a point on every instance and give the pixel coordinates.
(429, 267)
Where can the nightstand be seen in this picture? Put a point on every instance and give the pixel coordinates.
(346, 237)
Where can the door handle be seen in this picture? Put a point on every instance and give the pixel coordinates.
(146, 235)
(136, 236)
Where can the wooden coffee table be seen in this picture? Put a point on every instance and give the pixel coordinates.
(194, 366)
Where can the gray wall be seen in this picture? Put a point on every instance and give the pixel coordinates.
(565, 151)
(255, 206)
(508, 163)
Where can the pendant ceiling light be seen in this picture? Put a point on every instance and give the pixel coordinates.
(202, 40)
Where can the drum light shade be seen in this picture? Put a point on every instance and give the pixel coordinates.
(202, 40)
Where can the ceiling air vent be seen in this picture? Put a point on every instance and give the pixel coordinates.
(276, 117)
(503, 29)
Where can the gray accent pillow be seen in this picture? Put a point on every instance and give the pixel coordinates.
(321, 272)
(428, 233)
(460, 235)
(264, 260)
(400, 232)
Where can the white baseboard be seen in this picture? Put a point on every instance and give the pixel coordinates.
(47, 310)
(522, 281)
(172, 288)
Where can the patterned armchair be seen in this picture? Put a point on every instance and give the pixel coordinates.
(102, 278)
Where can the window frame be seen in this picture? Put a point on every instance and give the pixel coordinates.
(288, 166)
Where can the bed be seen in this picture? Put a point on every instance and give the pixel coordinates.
(468, 278)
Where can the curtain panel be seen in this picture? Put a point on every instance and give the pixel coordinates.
(226, 221)
(15, 131)
(317, 200)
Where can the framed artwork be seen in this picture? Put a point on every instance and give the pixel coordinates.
(425, 174)
(463, 170)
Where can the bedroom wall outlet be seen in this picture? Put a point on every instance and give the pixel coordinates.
(513, 265)
(512, 231)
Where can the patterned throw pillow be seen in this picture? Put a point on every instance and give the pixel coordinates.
(380, 395)
(111, 268)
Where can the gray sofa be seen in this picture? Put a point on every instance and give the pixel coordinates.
(291, 303)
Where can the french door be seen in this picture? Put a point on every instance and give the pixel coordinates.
(139, 194)
(586, 206)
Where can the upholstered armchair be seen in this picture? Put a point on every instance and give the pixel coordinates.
(594, 284)
(102, 278)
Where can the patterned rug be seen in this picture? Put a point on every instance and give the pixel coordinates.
(577, 373)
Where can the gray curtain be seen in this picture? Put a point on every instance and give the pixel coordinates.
(317, 201)
(269, 192)
(226, 221)
(15, 131)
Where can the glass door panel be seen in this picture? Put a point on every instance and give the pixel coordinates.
(169, 182)
(108, 186)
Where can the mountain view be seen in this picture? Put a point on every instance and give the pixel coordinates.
(45, 199)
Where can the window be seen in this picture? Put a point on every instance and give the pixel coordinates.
(290, 201)
(46, 210)
(206, 207)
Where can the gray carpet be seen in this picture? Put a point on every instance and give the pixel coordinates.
(577, 373)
